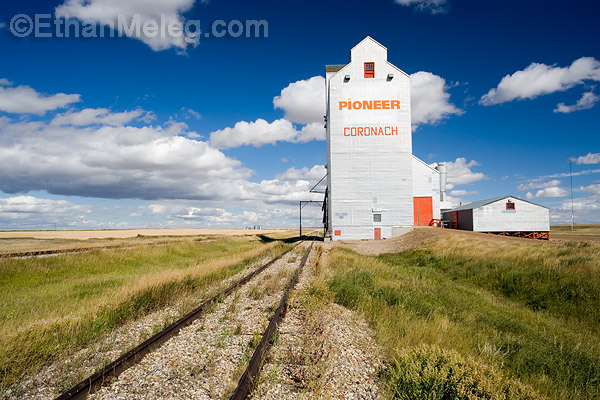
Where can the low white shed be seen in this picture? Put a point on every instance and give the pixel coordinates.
(507, 215)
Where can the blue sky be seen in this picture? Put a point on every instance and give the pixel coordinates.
(136, 131)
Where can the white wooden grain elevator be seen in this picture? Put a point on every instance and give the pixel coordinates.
(376, 187)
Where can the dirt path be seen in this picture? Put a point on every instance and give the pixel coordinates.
(393, 245)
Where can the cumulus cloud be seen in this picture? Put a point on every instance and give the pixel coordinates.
(95, 152)
(25, 100)
(294, 174)
(431, 6)
(261, 132)
(589, 158)
(148, 162)
(554, 191)
(310, 132)
(101, 11)
(91, 116)
(587, 101)
(539, 79)
(593, 189)
(538, 185)
(430, 99)
(303, 101)
(587, 207)
(460, 172)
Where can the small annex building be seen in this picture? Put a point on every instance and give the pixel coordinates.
(507, 215)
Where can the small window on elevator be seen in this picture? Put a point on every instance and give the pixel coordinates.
(510, 205)
(369, 70)
(376, 217)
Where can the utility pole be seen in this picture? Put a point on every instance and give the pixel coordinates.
(572, 212)
(300, 235)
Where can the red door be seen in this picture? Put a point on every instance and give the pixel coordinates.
(423, 207)
(377, 233)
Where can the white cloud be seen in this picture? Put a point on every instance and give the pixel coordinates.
(429, 99)
(149, 162)
(554, 191)
(28, 212)
(593, 189)
(462, 192)
(539, 79)
(33, 205)
(432, 6)
(538, 185)
(566, 174)
(255, 133)
(261, 132)
(25, 100)
(460, 173)
(92, 116)
(310, 132)
(100, 11)
(587, 208)
(189, 113)
(5, 82)
(157, 209)
(589, 158)
(303, 101)
(587, 101)
(95, 152)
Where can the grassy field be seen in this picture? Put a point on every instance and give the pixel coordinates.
(27, 241)
(580, 232)
(473, 317)
(52, 306)
(578, 229)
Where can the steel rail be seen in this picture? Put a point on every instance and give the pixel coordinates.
(133, 356)
(248, 379)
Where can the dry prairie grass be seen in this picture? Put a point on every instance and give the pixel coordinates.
(50, 307)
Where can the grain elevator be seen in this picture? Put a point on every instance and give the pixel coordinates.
(376, 188)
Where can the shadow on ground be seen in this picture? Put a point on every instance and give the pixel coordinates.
(266, 239)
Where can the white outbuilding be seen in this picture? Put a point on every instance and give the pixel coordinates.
(507, 215)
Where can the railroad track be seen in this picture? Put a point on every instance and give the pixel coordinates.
(111, 371)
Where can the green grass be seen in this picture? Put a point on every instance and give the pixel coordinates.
(569, 291)
(50, 307)
(562, 280)
(412, 302)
